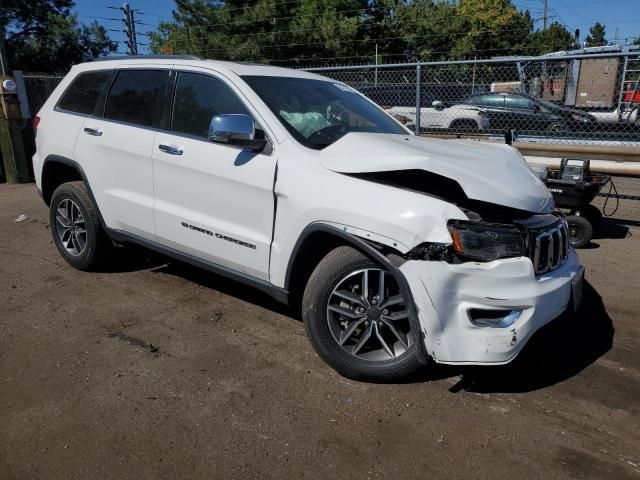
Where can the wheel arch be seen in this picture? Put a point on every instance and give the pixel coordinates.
(57, 170)
(318, 239)
(465, 122)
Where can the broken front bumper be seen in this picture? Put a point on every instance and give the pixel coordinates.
(460, 306)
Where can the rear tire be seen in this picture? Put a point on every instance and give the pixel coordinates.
(593, 214)
(75, 226)
(580, 231)
(365, 337)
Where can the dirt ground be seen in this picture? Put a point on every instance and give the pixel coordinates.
(154, 369)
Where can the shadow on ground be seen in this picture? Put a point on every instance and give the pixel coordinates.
(132, 258)
(222, 284)
(555, 353)
(612, 228)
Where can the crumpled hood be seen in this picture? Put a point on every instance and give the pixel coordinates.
(494, 173)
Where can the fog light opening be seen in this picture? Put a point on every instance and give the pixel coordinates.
(493, 318)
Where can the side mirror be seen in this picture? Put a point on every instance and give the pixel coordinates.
(437, 104)
(235, 129)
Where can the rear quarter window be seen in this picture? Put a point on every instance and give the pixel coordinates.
(82, 94)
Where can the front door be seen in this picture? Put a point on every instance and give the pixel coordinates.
(212, 201)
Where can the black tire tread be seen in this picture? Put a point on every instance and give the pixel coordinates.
(335, 265)
(97, 251)
(584, 227)
(467, 123)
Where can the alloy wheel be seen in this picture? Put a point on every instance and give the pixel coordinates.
(368, 316)
(71, 227)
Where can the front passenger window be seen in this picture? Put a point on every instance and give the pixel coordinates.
(198, 98)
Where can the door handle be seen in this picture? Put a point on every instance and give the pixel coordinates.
(96, 132)
(170, 149)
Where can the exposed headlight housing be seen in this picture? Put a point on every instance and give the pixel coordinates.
(486, 241)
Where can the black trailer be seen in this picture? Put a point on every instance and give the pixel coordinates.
(573, 189)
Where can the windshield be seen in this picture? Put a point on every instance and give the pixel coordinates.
(319, 112)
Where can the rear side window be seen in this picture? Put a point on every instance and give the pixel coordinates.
(514, 101)
(83, 93)
(492, 100)
(198, 99)
(136, 96)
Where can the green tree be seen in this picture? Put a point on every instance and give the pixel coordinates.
(490, 28)
(597, 36)
(552, 39)
(346, 31)
(43, 36)
(262, 30)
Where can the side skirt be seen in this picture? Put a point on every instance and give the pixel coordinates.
(279, 294)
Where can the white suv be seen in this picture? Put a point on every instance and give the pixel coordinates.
(399, 249)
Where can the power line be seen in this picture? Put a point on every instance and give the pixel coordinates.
(379, 39)
(363, 26)
(356, 10)
(471, 51)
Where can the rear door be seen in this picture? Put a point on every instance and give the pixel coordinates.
(525, 115)
(60, 125)
(212, 201)
(115, 148)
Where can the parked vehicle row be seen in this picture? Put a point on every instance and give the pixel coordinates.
(499, 112)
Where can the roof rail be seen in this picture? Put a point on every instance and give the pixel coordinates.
(146, 57)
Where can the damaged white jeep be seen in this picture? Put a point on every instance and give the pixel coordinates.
(399, 249)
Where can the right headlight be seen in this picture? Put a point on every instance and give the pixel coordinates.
(486, 241)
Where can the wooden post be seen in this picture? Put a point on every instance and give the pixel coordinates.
(11, 143)
(13, 155)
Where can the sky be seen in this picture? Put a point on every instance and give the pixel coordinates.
(621, 17)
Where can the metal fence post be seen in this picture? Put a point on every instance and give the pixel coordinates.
(418, 99)
(22, 94)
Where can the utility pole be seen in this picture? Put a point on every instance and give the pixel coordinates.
(130, 29)
(545, 15)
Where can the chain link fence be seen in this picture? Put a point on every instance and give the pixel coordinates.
(572, 99)
(38, 88)
(582, 100)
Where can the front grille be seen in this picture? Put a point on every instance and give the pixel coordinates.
(549, 249)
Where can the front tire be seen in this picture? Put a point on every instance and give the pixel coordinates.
(465, 126)
(357, 320)
(75, 226)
